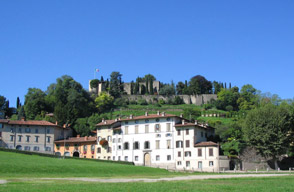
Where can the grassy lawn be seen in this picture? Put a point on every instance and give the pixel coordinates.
(15, 165)
(271, 184)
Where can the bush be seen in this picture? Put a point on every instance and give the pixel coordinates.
(229, 108)
(142, 102)
(121, 102)
(161, 102)
(178, 101)
(133, 102)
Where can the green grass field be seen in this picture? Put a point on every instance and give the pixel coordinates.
(24, 172)
(15, 165)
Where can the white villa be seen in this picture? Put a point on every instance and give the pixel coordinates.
(161, 140)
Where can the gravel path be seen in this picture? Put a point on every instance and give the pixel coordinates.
(193, 177)
(182, 178)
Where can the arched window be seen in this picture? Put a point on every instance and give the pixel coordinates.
(98, 150)
(108, 138)
(146, 145)
(136, 145)
(99, 139)
(126, 146)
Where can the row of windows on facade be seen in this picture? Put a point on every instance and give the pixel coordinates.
(147, 121)
(27, 130)
(76, 146)
(28, 138)
(36, 148)
(126, 158)
(136, 145)
(179, 163)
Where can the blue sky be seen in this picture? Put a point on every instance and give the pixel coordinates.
(233, 41)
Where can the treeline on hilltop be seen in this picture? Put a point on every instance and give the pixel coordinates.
(144, 86)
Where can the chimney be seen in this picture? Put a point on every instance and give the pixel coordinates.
(131, 116)
(163, 114)
(181, 115)
(158, 113)
(86, 138)
(119, 117)
(78, 136)
(183, 122)
(22, 119)
(196, 122)
(56, 123)
(103, 120)
(146, 113)
(115, 119)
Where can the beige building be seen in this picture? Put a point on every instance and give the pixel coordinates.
(38, 136)
(104, 138)
(83, 147)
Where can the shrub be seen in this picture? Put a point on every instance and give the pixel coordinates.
(178, 100)
(142, 102)
(161, 102)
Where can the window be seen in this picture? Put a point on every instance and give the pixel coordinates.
(136, 145)
(157, 120)
(187, 163)
(108, 138)
(206, 135)
(119, 140)
(157, 144)
(136, 158)
(48, 139)
(126, 158)
(199, 152)
(119, 158)
(36, 148)
(28, 138)
(67, 146)
(179, 131)
(187, 131)
(179, 144)
(119, 147)
(157, 128)
(179, 153)
(126, 146)
(146, 120)
(76, 146)
(113, 148)
(98, 150)
(113, 158)
(11, 137)
(99, 139)
(157, 158)
(168, 127)
(158, 135)
(210, 152)
(146, 145)
(168, 145)
(168, 135)
(85, 147)
(108, 149)
(11, 130)
(187, 153)
(168, 157)
(210, 163)
(48, 149)
(19, 130)
(179, 162)
(19, 138)
(27, 148)
(146, 128)
(126, 130)
(200, 164)
(136, 121)
(136, 129)
(113, 141)
(36, 130)
(27, 130)
(126, 122)
(168, 119)
(187, 143)
(48, 131)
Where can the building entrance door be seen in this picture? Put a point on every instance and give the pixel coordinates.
(147, 159)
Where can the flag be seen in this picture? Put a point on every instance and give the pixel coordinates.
(96, 70)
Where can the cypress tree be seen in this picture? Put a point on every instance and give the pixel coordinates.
(151, 87)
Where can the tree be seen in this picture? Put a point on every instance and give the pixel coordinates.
(248, 97)
(192, 113)
(200, 85)
(137, 88)
(143, 89)
(228, 97)
(116, 86)
(267, 130)
(34, 103)
(151, 90)
(3, 104)
(180, 87)
(216, 87)
(167, 90)
(132, 87)
(18, 103)
(104, 102)
(69, 100)
(94, 83)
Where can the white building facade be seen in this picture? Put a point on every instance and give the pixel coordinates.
(165, 141)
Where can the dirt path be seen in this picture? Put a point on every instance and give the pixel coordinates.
(182, 178)
(192, 177)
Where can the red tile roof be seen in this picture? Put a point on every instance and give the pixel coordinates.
(205, 143)
(29, 122)
(106, 122)
(78, 140)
